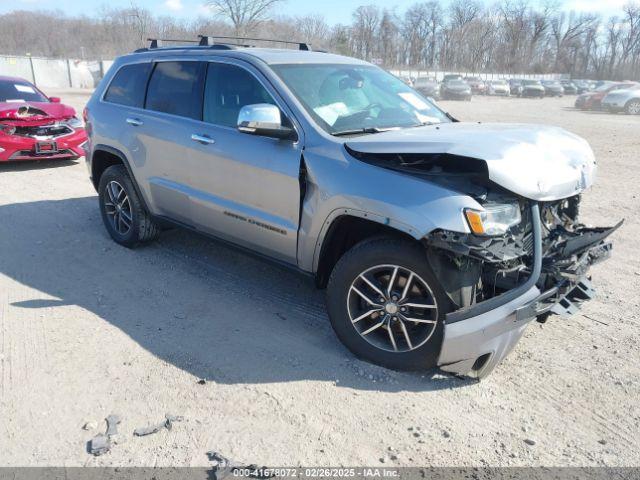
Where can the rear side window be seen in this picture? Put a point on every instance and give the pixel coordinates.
(128, 85)
(176, 88)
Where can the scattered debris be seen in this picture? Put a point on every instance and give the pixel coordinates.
(101, 443)
(202, 381)
(90, 426)
(220, 462)
(529, 441)
(112, 425)
(602, 441)
(168, 424)
(446, 434)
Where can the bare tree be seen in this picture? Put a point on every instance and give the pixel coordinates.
(245, 15)
(366, 20)
(517, 36)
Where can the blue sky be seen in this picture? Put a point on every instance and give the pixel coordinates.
(334, 11)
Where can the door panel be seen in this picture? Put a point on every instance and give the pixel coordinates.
(173, 106)
(245, 188)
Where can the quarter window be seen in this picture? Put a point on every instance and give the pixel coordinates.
(228, 89)
(128, 85)
(176, 88)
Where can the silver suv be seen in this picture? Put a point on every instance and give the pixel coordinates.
(437, 241)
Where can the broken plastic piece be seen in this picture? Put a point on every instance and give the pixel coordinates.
(99, 445)
(168, 424)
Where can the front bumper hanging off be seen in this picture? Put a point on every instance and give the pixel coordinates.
(479, 337)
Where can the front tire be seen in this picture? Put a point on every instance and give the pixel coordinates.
(386, 305)
(124, 216)
(632, 107)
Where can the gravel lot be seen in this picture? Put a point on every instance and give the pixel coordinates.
(88, 328)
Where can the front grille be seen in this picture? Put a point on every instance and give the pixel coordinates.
(30, 154)
(43, 131)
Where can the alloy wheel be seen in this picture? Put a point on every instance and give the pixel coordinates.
(392, 308)
(118, 208)
(634, 108)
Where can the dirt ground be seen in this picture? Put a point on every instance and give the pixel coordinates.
(88, 328)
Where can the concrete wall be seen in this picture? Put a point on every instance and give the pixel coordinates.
(55, 73)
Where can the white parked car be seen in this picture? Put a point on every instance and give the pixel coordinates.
(499, 87)
(626, 100)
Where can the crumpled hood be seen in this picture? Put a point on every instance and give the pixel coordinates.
(34, 113)
(535, 161)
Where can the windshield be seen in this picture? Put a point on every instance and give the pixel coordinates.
(19, 92)
(531, 82)
(457, 83)
(342, 98)
(500, 83)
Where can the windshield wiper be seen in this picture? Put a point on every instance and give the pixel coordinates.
(357, 131)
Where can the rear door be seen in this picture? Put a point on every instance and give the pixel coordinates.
(172, 109)
(245, 188)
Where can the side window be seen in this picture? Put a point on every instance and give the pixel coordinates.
(228, 89)
(176, 88)
(128, 85)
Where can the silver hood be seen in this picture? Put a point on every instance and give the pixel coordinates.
(535, 161)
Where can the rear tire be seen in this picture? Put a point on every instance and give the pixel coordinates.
(379, 335)
(124, 216)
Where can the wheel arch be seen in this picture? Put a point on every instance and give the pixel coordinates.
(344, 229)
(103, 157)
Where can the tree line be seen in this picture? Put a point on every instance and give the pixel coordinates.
(511, 36)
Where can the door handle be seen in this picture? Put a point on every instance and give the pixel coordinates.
(205, 140)
(134, 121)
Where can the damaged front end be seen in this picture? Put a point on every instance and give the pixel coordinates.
(41, 131)
(494, 265)
(520, 252)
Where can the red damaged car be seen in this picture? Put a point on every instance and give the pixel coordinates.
(593, 100)
(36, 127)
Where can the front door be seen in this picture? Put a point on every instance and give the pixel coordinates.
(245, 188)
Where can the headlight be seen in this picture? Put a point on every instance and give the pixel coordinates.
(74, 122)
(495, 219)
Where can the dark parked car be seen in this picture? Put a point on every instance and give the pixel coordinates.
(552, 88)
(569, 87)
(515, 87)
(428, 86)
(532, 88)
(455, 90)
(451, 76)
(478, 86)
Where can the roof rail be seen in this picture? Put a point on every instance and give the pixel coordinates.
(209, 40)
(158, 42)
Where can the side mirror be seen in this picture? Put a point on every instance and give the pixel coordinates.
(54, 99)
(264, 119)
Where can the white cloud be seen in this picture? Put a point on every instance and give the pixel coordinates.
(608, 8)
(174, 5)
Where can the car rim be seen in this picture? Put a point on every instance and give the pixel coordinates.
(392, 308)
(118, 208)
(634, 108)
